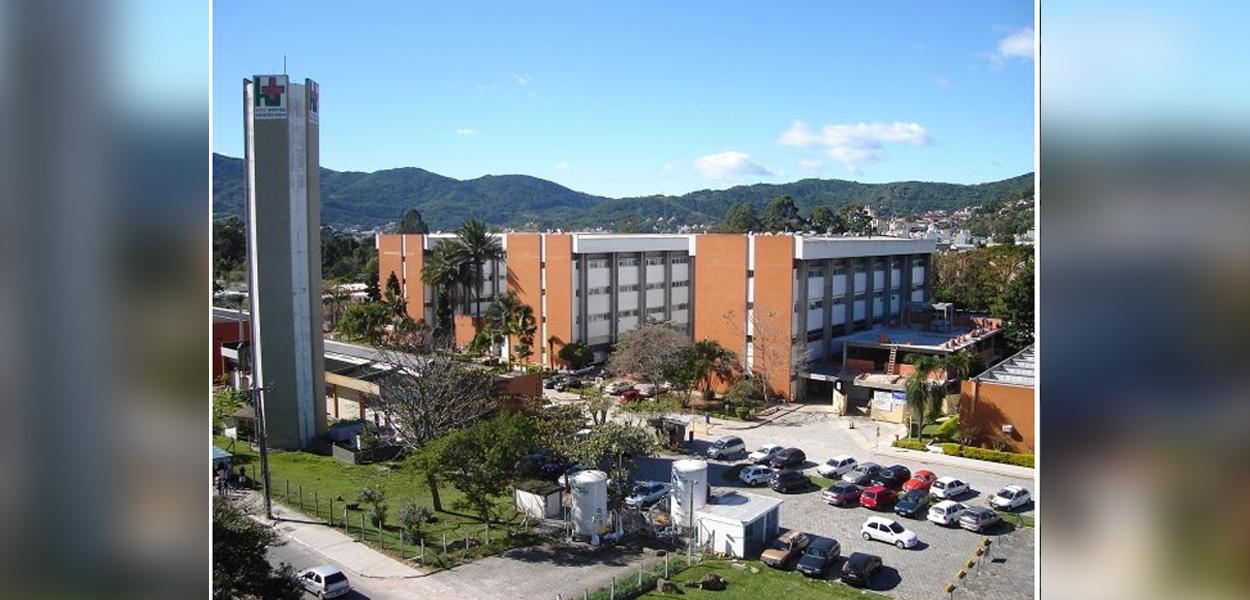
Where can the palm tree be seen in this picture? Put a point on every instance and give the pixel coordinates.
(506, 317)
(958, 364)
(917, 386)
(446, 273)
(712, 359)
(474, 247)
(336, 298)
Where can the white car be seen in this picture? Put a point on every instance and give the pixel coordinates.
(888, 531)
(765, 453)
(646, 390)
(755, 475)
(646, 493)
(946, 512)
(1010, 498)
(949, 487)
(730, 445)
(617, 387)
(836, 466)
(325, 581)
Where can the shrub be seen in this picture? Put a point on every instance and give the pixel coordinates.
(910, 444)
(948, 429)
(375, 500)
(576, 354)
(412, 516)
(742, 412)
(1010, 458)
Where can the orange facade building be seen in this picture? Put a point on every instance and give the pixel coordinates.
(1000, 402)
(764, 296)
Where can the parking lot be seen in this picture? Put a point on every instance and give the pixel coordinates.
(920, 572)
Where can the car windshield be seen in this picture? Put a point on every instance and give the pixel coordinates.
(780, 544)
(815, 550)
(335, 577)
(896, 528)
(1006, 494)
(642, 488)
(939, 485)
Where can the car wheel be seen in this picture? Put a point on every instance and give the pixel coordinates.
(867, 537)
(900, 545)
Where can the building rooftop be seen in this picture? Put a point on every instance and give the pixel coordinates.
(1018, 369)
(944, 341)
(737, 506)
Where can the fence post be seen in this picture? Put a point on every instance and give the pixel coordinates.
(422, 549)
(330, 513)
(444, 542)
(666, 565)
(586, 594)
(364, 531)
(288, 491)
(640, 574)
(301, 497)
(316, 505)
(612, 594)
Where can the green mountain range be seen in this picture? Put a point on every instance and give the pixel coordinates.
(351, 199)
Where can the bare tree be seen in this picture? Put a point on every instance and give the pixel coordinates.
(427, 396)
(774, 349)
(647, 350)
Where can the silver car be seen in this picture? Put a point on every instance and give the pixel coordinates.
(977, 518)
(646, 493)
(325, 581)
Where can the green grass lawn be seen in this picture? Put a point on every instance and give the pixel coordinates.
(766, 583)
(324, 478)
(1017, 520)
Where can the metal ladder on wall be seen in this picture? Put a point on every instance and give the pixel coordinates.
(893, 364)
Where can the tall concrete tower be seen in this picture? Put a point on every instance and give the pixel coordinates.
(284, 229)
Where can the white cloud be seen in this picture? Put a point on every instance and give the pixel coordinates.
(940, 81)
(465, 131)
(1017, 44)
(522, 79)
(563, 165)
(810, 165)
(854, 144)
(729, 165)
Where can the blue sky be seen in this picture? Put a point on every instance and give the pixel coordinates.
(649, 97)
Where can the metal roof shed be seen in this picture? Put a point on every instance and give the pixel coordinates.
(738, 524)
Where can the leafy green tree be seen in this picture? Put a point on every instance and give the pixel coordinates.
(448, 275)
(856, 219)
(229, 248)
(782, 215)
(917, 387)
(394, 294)
(371, 279)
(825, 220)
(366, 322)
(1017, 308)
(241, 567)
(226, 400)
(411, 222)
(616, 445)
(508, 318)
(374, 499)
(427, 463)
(480, 460)
(576, 354)
(740, 218)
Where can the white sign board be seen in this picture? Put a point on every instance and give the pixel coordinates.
(269, 96)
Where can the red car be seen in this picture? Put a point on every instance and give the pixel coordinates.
(920, 480)
(629, 396)
(878, 497)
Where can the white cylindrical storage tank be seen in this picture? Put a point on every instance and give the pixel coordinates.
(689, 490)
(589, 502)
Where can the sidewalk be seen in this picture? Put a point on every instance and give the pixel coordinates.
(884, 447)
(782, 411)
(334, 544)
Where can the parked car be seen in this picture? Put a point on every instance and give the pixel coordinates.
(888, 531)
(841, 493)
(1010, 498)
(755, 475)
(646, 390)
(819, 555)
(325, 581)
(550, 382)
(913, 504)
(617, 387)
(786, 546)
(878, 497)
(947, 488)
(728, 446)
(836, 466)
(790, 457)
(946, 512)
(893, 477)
(862, 474)
(977, 518)
(646, 493)
(920, 480)
(787, 481)
(629, 395)
(566, 383)
(765, 453)
(859, 568)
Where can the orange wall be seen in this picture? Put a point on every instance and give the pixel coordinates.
(525, 275)
(466, 328)
(559, 259)
(414, 265)
(774, 308)
(992, 405)
(720, 288)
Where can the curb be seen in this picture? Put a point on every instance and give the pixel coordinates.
(781, 412)
(972, 464)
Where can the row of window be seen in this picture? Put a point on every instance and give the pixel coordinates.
(633, 287)
(632, 261)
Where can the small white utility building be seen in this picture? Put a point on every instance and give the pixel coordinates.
(538, 499)
(738, 524)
